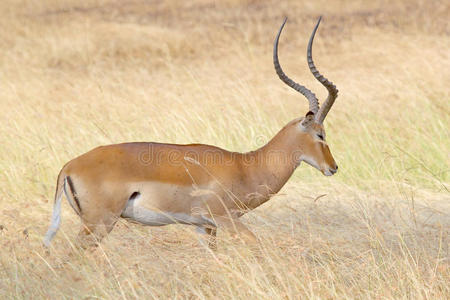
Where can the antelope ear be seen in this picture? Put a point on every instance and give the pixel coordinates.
(308, 120)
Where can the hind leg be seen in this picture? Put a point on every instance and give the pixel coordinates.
(90, 235)
(100, 208)
(212, 233)
(95, 227)
(208, 236)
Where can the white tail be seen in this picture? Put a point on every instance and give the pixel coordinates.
(56, 217)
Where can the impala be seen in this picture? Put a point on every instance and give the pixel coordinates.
(159, 184)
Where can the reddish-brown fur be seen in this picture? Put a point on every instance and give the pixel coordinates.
(194, 184)
(228, 184)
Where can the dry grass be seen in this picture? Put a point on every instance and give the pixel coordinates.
(74, 76)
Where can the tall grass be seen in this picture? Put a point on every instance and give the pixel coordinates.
(74, 76)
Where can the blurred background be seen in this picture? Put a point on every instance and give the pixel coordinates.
(75, 75)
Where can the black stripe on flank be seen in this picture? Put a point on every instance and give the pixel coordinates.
(74, 193)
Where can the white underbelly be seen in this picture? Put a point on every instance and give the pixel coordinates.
(180, 202)
(140, 209)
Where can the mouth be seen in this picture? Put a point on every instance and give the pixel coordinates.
(329, 172)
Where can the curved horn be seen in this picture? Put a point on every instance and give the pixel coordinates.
(332, 90)
(313, 103)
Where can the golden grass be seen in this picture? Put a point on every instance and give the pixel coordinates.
(74, 76)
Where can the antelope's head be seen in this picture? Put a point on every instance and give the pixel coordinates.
(309, 131)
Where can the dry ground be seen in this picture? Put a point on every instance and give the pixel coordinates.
(74, 76)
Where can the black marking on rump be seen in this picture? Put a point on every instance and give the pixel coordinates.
(73, 192)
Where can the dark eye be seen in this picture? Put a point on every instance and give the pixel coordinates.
(320, 136)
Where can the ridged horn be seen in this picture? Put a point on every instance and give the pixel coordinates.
(313, 102)
(332, 90)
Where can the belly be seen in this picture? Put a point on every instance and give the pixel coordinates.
(157, 204)
(167, 197)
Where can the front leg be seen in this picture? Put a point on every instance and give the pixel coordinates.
(235, 228)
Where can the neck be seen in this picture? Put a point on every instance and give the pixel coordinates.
(276, 161)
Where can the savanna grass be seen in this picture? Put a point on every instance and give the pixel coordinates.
(74, 76)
